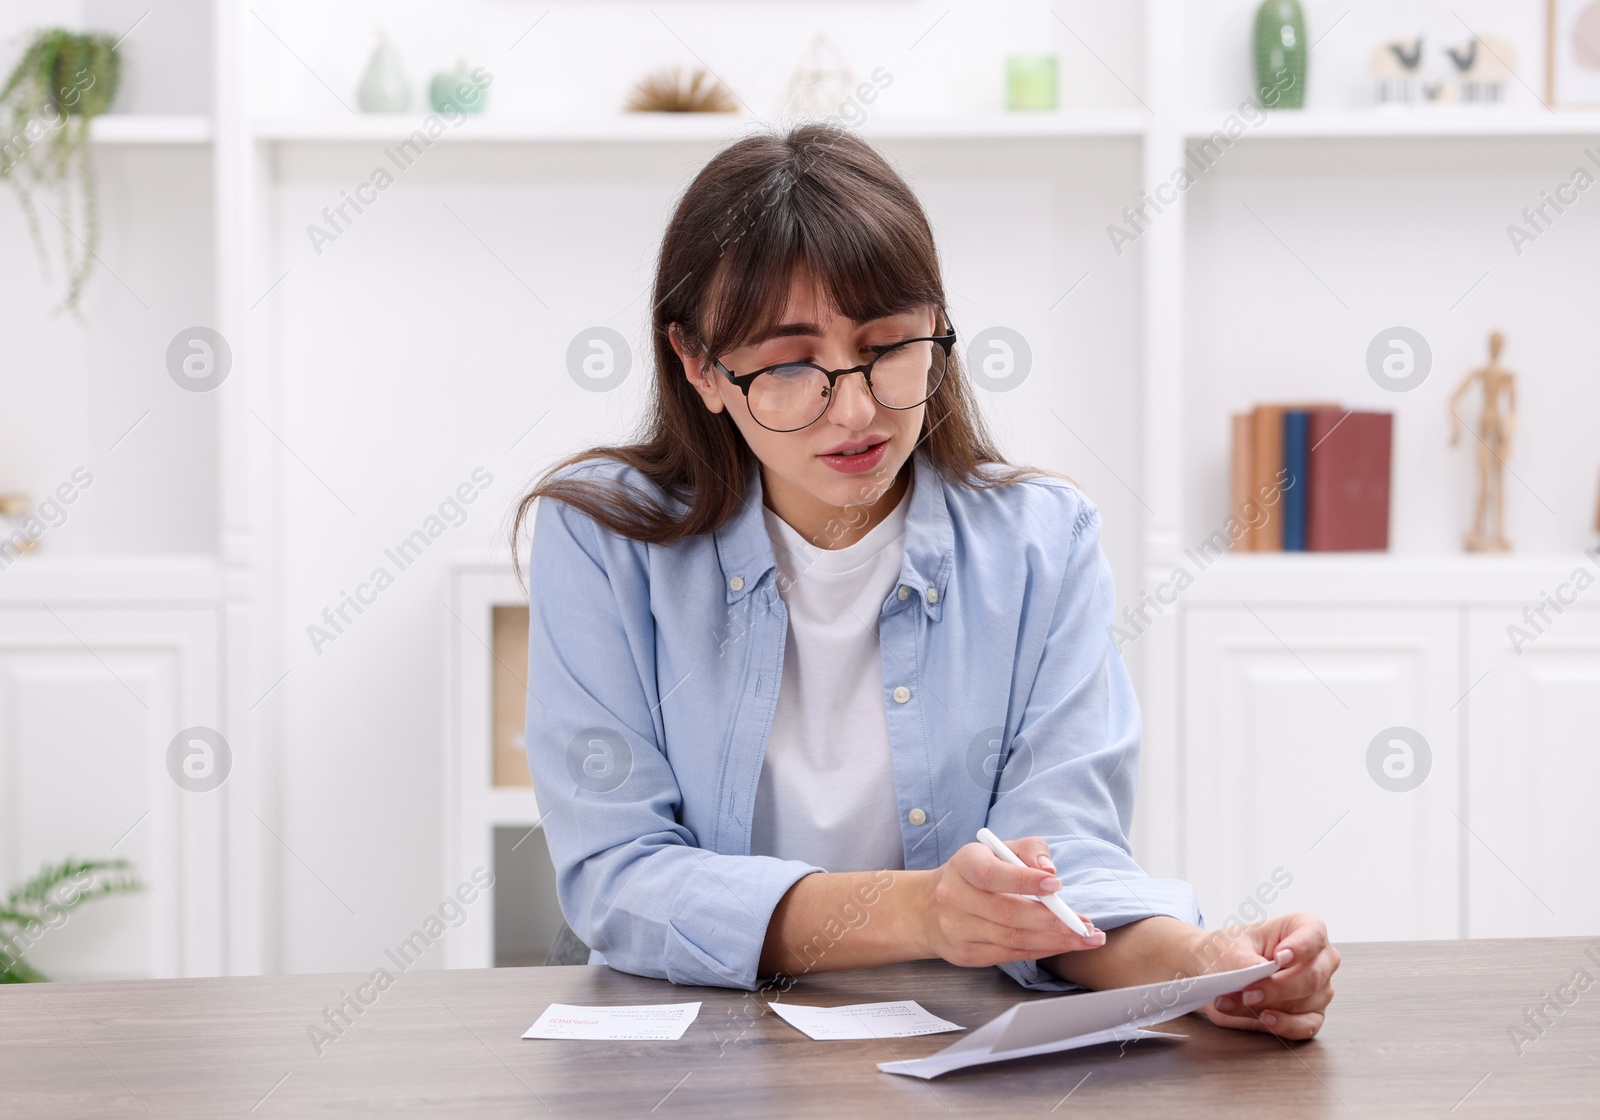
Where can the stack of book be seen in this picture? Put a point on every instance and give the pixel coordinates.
(1311, 477)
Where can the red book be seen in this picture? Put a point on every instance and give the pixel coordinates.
(1347, 480)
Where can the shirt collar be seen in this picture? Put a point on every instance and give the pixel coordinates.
(745, 550)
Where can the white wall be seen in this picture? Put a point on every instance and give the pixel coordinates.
(581, 59)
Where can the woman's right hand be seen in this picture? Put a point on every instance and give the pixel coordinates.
(975, 910)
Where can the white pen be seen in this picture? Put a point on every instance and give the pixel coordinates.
(1053, 901)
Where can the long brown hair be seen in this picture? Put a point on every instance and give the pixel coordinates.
(819, 196)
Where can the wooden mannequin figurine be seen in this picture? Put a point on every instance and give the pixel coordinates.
(1494, 443)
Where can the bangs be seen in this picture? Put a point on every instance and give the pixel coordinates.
(867, 251)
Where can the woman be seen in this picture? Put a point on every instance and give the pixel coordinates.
(793, 648)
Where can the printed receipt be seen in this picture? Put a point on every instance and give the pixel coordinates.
(900, 1019)
(654, 1022)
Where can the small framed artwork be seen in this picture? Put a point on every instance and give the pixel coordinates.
(1572, 71)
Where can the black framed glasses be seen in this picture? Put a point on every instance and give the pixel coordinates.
(792, 395)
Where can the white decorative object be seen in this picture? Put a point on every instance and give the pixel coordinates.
(384, 88)
(821, 82)
(1472, 71)
(1482, 65)
(1395, 66)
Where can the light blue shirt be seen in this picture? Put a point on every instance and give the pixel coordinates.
(653, 672)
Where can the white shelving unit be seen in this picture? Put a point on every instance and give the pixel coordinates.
(129, 623)
(150, 128)
(1383, 578)
(668, 128)
(1416, 124)
(1176, 335)
(1444, 594)
(1265, 681)
(475, 806)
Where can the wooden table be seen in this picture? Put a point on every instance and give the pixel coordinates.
(1417, 1029)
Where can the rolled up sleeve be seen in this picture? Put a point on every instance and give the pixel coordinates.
(1078, 744)
(632, 880)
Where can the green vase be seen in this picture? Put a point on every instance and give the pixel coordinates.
(1281, 51)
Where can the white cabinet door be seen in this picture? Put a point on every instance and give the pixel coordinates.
(1281, 775)
(90, 699)
(1533, 750)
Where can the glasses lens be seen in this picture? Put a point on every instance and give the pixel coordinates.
(907, 375)
(788, 397)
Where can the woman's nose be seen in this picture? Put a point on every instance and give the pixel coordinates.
(853, 403)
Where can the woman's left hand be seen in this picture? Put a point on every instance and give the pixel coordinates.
(1292, 1002)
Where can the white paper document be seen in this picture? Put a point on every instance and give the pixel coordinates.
(900, 1019)
(656, 1022)
(1084, 1019)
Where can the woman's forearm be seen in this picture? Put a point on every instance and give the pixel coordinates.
(860, 919)
(1144, 952)
(849, 919)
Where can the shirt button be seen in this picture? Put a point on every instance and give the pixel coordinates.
(933, 594)
(902, 694)
(904, 591)
(737, 583)
(917, 816)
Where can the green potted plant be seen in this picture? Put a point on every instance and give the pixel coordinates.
(46, 901)
(62, 82)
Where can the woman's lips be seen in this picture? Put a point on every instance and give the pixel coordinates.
(857, 464)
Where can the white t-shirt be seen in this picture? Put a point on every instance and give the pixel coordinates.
(826, 793)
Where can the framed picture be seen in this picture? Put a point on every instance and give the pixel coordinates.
(1572, 72)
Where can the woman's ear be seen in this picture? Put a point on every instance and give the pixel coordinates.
(697, 368)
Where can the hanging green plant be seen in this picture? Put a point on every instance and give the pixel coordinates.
(46, 901)
(63, 81)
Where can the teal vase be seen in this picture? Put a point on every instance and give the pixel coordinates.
(457, 90)
(1280, 53)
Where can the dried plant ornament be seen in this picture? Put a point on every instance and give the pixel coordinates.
(670, 90)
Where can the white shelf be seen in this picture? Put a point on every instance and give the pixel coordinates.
(511, 806)
(694, 127)
(177, 578)
(1338, 579)
(1351, 124)
(1378, 124)
(144, 128)
(1087, 123)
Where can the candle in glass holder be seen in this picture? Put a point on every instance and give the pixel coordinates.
(1031, 81)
